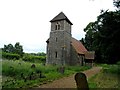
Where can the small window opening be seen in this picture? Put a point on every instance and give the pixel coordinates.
(57, 26)
(56, 39)
(55, 54)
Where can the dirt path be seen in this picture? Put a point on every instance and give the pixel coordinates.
(69, 82)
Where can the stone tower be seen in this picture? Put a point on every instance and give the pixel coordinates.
(59, 42)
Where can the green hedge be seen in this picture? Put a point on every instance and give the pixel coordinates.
(32, 58)
(10, 56)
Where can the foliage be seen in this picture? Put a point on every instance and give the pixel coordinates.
(38, 54)
(16, 52)
(76, 68)
(8, 48)
(34, 58)
(16, 49)
(104, 80)
(17, 73)
(114, 69)
(41, 54)
(103, 35)
(15, 69)
(107, 78)
(118, 63)
(117, 3)
(10, 55)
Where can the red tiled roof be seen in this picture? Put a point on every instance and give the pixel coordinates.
(89, 55)
(79, 47)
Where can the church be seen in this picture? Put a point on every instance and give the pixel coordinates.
(62, 48)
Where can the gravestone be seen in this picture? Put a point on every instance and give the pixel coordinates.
(81, 81)
(61, 69)
(33, 66)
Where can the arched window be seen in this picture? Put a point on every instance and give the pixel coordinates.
(57, 26)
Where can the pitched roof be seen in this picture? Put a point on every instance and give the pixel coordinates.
(89, 55)
(79, 47)
(61, 16)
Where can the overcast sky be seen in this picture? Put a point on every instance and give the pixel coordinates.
(27, 21)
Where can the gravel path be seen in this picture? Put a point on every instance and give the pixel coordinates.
(69, 82)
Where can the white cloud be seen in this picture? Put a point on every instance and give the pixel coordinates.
(27, 21)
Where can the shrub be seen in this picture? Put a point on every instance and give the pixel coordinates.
(77, 68)
(114, 69)
(118, 63)
(33, 58)
(10, 56)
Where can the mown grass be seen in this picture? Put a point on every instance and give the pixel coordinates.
(12, 70)
(107, 78)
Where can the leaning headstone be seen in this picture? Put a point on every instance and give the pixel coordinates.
(33, 66)
(81, 81)
(40, 74)
(61, 69)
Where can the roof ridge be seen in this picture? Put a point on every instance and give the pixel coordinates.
(61, 16)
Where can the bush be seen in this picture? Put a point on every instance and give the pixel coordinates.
(33, 58)
(10, 56)
(77, 68)
(114, 69)
(118, 63)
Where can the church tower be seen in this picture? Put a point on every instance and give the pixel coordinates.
(58, 44)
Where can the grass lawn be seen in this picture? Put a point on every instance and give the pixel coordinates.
(19, 74)
(107, 78)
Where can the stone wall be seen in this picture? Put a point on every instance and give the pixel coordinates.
(74, 56)
(58, 48)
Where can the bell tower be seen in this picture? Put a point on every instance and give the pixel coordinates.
(58, 44)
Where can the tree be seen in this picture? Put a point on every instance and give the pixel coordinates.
(116, 3)
(103, 36)
(91, 32)
(16, 49)
(8, 48)
(41, 54)
(110, 34)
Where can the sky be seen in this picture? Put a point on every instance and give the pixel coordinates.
(27, 21)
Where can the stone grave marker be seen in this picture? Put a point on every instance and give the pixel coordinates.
(61, 69)
(81, 81)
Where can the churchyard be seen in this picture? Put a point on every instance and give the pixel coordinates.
(24, 74)
(29, 71)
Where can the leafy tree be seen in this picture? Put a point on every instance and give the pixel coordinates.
(38, 54)
(110, 34)
(90, 30)
(103, 36)
(8, 48)
(16, 49)
(41, 54)
(116, 3)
